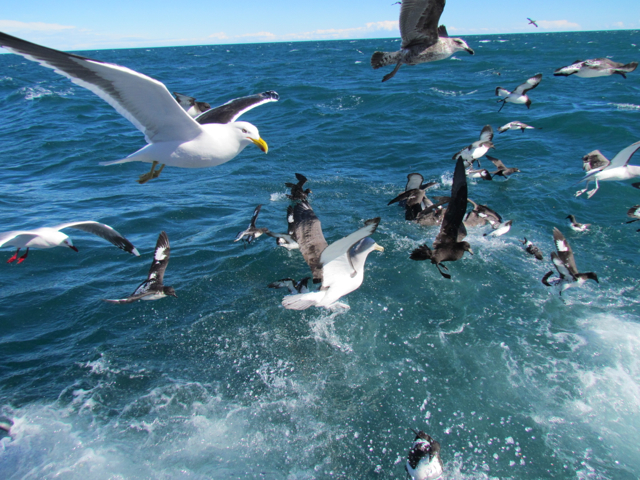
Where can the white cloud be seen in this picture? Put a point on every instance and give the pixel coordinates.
(218, 36)
(557, 25)
(385, 25)
(16, 26)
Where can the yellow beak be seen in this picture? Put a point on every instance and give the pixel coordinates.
(262, 145)
(378, 247)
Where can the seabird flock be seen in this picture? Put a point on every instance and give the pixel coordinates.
(183, 132)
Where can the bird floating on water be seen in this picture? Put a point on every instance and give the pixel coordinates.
(576, 226)
(596, 67)
(49, 237)
(532, 249)
(153, 288)
(519, 95)
(423, 460)
(174, 138)
(563, 260)
(599, 168)
(422, 40)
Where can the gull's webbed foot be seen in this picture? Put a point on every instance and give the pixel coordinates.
(151, 174)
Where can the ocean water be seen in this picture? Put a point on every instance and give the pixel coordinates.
(514, 380)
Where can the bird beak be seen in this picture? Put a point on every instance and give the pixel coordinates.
(262, 145)
(73, 248)
(378, 248)
(470, 251)
(470, 50)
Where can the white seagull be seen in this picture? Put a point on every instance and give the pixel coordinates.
(49, 237)
(152, 288)
(601, 169)
(339, 266)
(519, 95)
(174, 138)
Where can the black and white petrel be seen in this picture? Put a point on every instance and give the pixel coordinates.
(191, 105)
(634, 212)
(297, 192)
(519, 95)
(448, 246)
(414, 199)
(49, 237)
(532, 249)
(423, 461)
(576, 226)
(152, 288)
(286, 240)
(481, 215)
(252, 232)
(422, 40)
(339, 266)
(477, 149)
(174, 138)
(515, 125)
(499, 229)
(599, 168)
(290, 284)
(595, 67)
(566, 266)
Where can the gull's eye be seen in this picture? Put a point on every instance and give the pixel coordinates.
(244, 130)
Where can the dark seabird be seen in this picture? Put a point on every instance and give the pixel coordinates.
(49, 237)
(290, 284)
(191, 105)
(616, 169)
(532, 249)
(173, 137)
(413, 199)
(515, 125)
(423, 461)
(595, 67)
(532, 22)
(566, 266)
(478, 148)
(339, 266)
(152, 288)
(448, 247)
(577, 227)
(252, 232)
(481, 215)
(422, 40)
(502, 170)
(433, 214)
(519, 95)
(297, 192)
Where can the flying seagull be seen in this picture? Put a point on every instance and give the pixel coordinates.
(532, 22)
(448, 246)
(519, 95)
(339, 266)
(49, 237)
(596, 67)
(423, 461)
(174, 138)
(422, 40)
(599, 168)
(251, 232)
(568, 275)
(152, 288)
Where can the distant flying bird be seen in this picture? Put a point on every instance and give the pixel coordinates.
(422, 40)
(515, 125)
(532, 22)
(596, 67)
(49, 237)
(519, 95)
(251, 232)
(174, 137)
(566, 266)
(423, 460)
(153, 288)
(599, 168)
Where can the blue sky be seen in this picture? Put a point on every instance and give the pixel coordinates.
(82, 25)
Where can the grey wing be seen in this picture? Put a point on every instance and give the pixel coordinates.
(489, 215)
(231, 110)
(624, 155)
(594, 160)
(414, 180)
(102, 231)
(486, 135)
(6, 237)
(142, 100)
(342, 246)
(497, 162)
(565, 253)
(135, 296)
(530, 84)
(419, 21)
(308, 233)
(160, 261)
(457, 207)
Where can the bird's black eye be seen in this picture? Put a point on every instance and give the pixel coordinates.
(244, 130)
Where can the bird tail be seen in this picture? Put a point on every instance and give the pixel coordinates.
(302, 301)
(382, 59)
(421, 253)
(629, 67)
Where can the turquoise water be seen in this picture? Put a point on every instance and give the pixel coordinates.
(513, 380)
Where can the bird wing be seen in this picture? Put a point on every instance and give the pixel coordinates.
(254, 217)
(565, 255)
(594, 160)
(307, 231)
(489, 215)
(413, 197)
(230, 111)
(132, 298)
(457, 207)
(160, 261)
(530, 84)
(497, 162)
(502, 92)
(414, 180)
(624, 155)
(102, 231)
(185, 101)
(419, 21)
(342, 246)
(142, 100)
(486, 135)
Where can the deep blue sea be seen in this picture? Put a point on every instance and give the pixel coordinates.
(514, 380)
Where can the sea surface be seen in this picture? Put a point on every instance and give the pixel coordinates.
(513, 380)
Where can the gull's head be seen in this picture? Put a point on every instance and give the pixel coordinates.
(67, 241)
(249, 134)
(460, 44)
